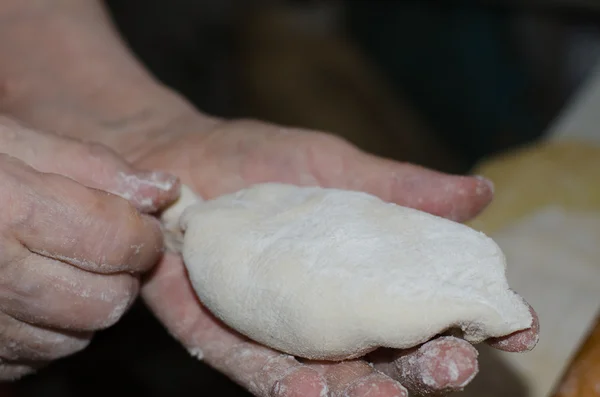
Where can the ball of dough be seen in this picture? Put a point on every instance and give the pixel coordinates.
(331, 274)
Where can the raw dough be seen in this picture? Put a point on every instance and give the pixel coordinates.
(332, 274)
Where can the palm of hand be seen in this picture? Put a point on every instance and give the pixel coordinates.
(234, 155)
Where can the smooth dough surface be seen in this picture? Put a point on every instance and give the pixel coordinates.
(332, 274)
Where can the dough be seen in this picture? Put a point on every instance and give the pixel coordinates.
(332, 274)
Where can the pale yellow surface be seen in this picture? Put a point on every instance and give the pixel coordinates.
(546, 218)
(562, 173)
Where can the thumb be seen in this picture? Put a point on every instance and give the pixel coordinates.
(89, 164)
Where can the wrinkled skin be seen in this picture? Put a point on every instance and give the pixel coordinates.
(221, 157)
(72, 254)
(90, 87)
(216, 157)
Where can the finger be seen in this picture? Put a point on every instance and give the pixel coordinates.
(90, 164)
(438, 367)
(49, 293)
(58, 218)
(459, 198)
(262, 371)
(266, 372)
(22, 342)
(520, 341)
(358, 379)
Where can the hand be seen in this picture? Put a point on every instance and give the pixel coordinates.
(221, 157)
(71, 252)
(103, 92)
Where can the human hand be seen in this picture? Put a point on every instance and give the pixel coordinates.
(72, 253)
(216, 158)
(102, 92)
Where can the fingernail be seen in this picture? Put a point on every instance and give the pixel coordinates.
(446, 366)
(158, 179)
(440, 366)
(141, 189)
(519, 342)
(487, 182)
(139, 181)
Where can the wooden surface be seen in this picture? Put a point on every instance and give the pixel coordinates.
(583, 376)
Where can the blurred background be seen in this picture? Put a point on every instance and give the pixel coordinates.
(444, 84)
(441, 83)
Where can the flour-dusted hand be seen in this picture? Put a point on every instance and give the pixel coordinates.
(72, 253)
(90, 85)
(217, 158)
